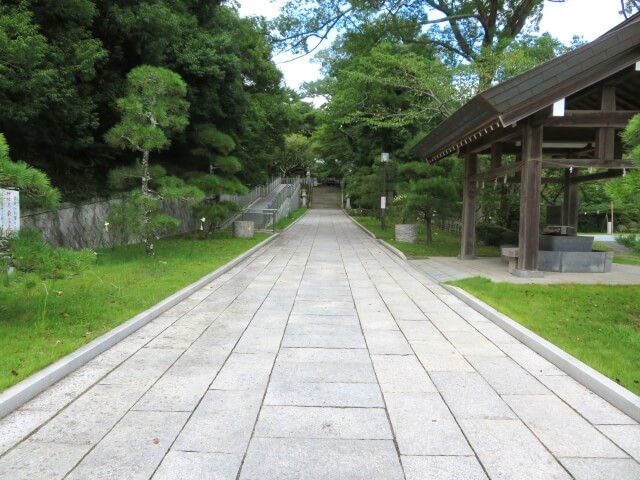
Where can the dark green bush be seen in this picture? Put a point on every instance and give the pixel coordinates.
(495, 235)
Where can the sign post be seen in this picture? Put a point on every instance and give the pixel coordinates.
(9, 212)
(384, 159)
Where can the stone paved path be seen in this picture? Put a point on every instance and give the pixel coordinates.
(320, 357)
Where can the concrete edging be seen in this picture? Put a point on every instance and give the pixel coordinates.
(389, 247)
(368, 232)
(393, 249)
(31, 386)
(613, 393)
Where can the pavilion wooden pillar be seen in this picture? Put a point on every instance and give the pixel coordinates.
(570, 205)
(607, 136)
(530, 201)
(469, 192)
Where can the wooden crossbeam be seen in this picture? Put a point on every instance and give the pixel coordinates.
(589, 118)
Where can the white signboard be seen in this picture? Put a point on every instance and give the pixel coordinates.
(383, 202)
(9, 211)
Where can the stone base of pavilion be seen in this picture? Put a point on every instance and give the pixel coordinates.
(528, 273)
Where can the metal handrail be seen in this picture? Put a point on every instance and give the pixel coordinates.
(258, 192)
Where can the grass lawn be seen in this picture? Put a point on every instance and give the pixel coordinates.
(445, 244)
(598, 324)
(44, 320)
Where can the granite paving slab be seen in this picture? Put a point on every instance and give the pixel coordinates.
(423, 425)
(323, 422)
(602, 468)
(29, 461)
(222, 422)
(133, 449)
(198, 465)
(402, 373)
(561, 429)
(320, 459)
(627, 437)
(442, 467)
(508, 449)
(365, 395)
(323, 372)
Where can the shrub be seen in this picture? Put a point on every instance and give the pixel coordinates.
(29, 254)
(495, 235)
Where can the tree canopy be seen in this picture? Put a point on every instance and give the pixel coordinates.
(64, 64)
(26, 179)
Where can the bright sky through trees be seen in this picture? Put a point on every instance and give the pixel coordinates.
(586, 18)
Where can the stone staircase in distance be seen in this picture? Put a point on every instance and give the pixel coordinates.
(326, 197)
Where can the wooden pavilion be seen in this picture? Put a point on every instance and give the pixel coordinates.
(566, 114)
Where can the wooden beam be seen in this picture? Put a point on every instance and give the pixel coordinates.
(586, 163)
(597, 176)
(530, 200)
(469, 192)
(594, 177)
(501, 135)
(590, 119)
(496, 172)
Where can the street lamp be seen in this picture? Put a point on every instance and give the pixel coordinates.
(384, 159)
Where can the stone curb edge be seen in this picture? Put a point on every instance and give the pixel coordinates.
(31, 386)
(613, 393)
(389, 247)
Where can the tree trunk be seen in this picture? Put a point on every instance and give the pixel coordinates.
(146, 214)
(429, 231)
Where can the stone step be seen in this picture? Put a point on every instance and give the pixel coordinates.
(326, 197)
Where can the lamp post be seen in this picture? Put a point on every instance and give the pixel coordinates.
(384, 159)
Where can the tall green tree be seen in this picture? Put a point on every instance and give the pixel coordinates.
(153, 109)
(48, 98)
(427, 190)
(215, 148)
(465, 31)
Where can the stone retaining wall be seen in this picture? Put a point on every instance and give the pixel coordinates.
(82, 226)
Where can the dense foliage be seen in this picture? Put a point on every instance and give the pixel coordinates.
(64, 64)
(394, 70)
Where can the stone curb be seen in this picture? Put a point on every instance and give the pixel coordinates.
(613, 393)
(389, 247)
(368, 232)
(24, 391)
(393, 249)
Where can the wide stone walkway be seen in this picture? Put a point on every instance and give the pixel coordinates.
(322, 356)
